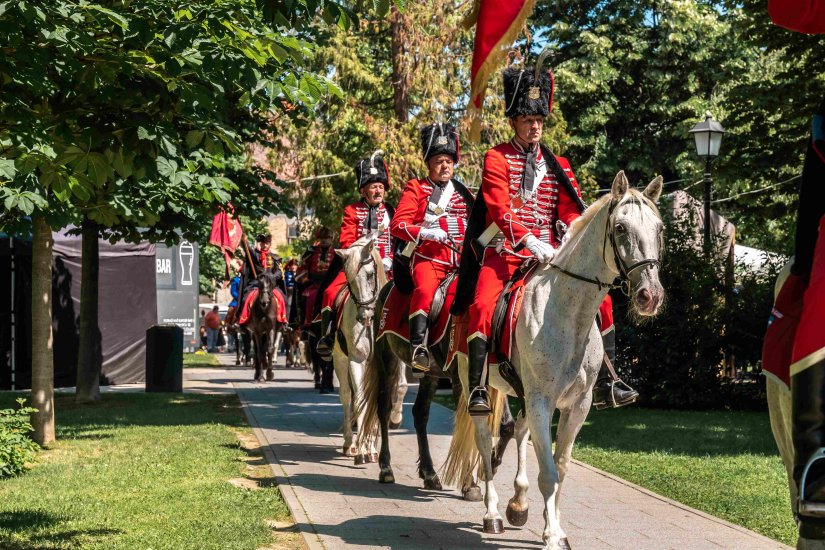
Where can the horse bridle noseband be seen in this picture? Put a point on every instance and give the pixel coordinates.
(372, 300)
(624, 270)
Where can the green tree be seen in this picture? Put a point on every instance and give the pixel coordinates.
(399, 73)
(121, 115)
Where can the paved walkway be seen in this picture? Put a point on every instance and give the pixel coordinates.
(339, 505)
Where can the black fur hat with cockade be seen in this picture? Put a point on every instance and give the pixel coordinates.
(372, 169)
(528, 91)
(440, 139)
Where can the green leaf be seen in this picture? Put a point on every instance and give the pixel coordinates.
(7, 168)
(194, 138)
(114, 17)
(167, 167)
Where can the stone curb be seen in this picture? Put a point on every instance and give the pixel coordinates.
(308, 533)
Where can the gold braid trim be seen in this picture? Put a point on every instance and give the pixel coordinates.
(478, 86)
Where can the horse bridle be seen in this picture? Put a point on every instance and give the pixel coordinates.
(624, 270)
(364, 303)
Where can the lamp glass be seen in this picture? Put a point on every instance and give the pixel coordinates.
(702, 143)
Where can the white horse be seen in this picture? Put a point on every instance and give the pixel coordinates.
(558, 348)
(365, 277)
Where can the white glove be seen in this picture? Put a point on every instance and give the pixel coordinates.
(434, 234)
(387, 263)
(541, 250)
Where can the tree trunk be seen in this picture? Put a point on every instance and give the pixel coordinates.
(401, 77)
(90, 352)
(42, 341)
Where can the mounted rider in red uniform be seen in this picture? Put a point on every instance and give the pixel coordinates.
(314, 265)
(264, 262)
(370, 214)
(431, 218)
(525, 190)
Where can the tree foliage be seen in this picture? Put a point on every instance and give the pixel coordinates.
(128, 112)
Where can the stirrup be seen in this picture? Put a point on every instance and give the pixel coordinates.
(805, 508)
(612, 403)
(419, 370)
(479, 392)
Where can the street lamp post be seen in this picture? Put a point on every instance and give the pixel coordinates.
(708, 137)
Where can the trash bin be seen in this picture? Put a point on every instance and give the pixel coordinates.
(164, 359)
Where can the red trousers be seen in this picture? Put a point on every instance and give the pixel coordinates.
(427, 276)
(494, 274)
(328, 301)
(496, 270)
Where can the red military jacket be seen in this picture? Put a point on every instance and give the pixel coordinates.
(354, 226)
(414, 213)
(316, 262)
(518, 215)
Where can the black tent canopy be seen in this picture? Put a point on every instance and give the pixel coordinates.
(127, 307)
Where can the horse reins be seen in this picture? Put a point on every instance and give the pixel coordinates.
(364, 303)
(624, 270)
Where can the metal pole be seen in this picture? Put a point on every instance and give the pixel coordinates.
(708, 181)
(13, 320)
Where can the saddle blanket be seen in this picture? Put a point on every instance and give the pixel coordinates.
(458, 338)
(395, 316)
(337, 307)
(309, 295)
(280, 314)
(794, 339)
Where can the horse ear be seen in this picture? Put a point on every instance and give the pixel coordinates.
(620, 185)
(654, 189)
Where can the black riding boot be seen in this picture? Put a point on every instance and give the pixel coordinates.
(610, 392)
(420, 355)
(326, 342)
(808, 418)
(479, 402)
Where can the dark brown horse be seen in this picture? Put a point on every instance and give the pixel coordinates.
(264, 327)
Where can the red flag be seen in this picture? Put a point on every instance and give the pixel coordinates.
(498, 23)
(807, 16)
(226, 231)
(809, 342)
(226, 235)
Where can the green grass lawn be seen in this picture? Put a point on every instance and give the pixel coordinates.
(193, 360)
(723, 463)
(144, 471)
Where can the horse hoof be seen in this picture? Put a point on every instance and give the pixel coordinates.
(564, 544)
(360, 459)
(386, 476)
(349, 451)
(515, 516)
(395, 425)
(373, 457)
(473, 494)
(493, 526)
(270, 376)
(433, 484)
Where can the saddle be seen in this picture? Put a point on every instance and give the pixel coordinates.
(395, 314)
(505, 314)
(246, 309)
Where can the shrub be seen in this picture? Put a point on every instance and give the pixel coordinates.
(677, 359)
(17, 450)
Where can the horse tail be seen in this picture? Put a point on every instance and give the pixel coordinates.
(463, 456)
(375, 372)
(378, 376)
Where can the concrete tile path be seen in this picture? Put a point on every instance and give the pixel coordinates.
(339, 505)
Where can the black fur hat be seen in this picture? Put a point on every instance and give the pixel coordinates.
(440, 139)
(528, 91)
(372, 169)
